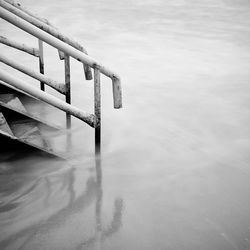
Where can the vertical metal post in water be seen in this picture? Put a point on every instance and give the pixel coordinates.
(67, 85)
(97, 94)
(99, 201)
(41, 62)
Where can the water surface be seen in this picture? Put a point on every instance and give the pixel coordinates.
(174, 172)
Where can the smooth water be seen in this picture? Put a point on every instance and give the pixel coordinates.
(174, 172)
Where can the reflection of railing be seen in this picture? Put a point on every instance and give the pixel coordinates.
(40, 28)
(102, 233)
(63, 219)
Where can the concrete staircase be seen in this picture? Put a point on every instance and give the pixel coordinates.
(21, 128)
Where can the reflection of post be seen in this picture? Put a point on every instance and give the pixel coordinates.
(97, 96)
(71, 181)
(98, 207)
(117, 219)
(102, 233)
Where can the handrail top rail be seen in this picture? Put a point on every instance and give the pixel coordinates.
(43, 23)
(71, 51)
(63, 46)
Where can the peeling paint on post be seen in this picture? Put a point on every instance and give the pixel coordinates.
(67, 86)
(97, 96)
(41, 62)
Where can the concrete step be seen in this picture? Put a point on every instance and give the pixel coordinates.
(19, 127)
(30, 131)
(16, 102)
(34, 107)
(4, 126)
(12, 143)
(31, 134)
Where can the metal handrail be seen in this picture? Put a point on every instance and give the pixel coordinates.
(41, 29)
(67, 49)
(19, 46)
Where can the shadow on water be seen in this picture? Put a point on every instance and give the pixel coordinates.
(91, 198)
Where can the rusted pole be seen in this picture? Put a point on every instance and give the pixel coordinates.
(97, 98)
(50, 82)
(67, 86)
(19, 46)
(41, 62)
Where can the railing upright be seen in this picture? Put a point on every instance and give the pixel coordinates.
(41, 62)
(97, 98)
(67, 86)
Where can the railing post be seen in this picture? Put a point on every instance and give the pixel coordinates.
(67, 86)
(97, 97)
(41, 62)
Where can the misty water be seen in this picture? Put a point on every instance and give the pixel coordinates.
(174, 172)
